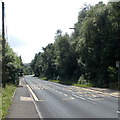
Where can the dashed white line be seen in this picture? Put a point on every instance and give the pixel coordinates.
(79, 97)
(90, 98)
(65, 94)
(72, 97)
(118, 111)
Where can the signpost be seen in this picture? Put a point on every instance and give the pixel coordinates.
(118, 66)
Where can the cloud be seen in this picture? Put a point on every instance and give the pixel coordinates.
(33, 24)
(113, 0)
(15, 42)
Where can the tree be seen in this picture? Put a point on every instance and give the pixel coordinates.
(91, 51)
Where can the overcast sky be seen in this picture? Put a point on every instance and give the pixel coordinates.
(32, 24)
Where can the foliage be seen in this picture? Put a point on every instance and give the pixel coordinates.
(91, 50)
(82, 85)
(82, 80)
(27, 69)
(7, 94)
(13, 65)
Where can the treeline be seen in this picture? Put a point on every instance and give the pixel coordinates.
(13, 65)
(89, 54)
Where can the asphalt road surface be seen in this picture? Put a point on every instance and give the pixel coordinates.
(54, 100)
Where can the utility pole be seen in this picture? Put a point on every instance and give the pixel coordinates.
(3, 46)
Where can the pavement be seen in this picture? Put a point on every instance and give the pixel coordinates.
(23, 105)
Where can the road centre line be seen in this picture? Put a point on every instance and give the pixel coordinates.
(33, 94)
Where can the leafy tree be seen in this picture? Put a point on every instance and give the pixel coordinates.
(13, 65)
(90, 52)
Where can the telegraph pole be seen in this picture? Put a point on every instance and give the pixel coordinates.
(3, 46)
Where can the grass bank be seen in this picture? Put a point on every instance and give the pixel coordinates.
(6, 99)
(81, 85)
(67, 82)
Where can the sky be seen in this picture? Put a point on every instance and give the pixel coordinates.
(32, 24)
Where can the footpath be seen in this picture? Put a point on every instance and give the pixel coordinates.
(22, 105)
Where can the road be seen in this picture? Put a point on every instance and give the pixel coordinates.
(54, 100)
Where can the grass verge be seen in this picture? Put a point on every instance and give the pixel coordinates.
(66, 82)
(80, 85)
(6, 98)
(56, 81)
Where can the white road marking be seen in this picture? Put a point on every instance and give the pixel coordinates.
(39, 114)
(72, 97)
(65, 94)
(79, 97)
(25, 98)
(33, 94)
(118, 111)
(90, 98)
(60, 92)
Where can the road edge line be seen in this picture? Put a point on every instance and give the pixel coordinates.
(33, 99)
(39, 114)
(33, 94)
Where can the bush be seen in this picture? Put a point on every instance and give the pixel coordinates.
(82, 80)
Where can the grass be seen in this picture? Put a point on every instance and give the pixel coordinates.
(42, 78)
(6, 99)
(81, 85)
(56, 81)
(67, 82)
